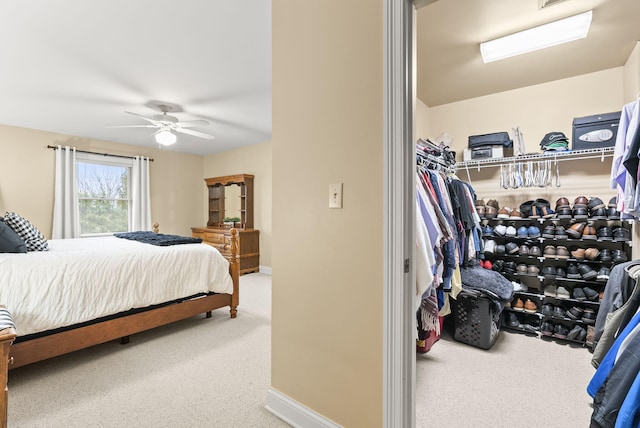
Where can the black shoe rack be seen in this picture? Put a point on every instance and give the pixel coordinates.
(556, 324)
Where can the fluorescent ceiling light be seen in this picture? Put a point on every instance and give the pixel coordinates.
(551, 34)
(166, 138)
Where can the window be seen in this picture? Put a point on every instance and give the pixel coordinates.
(103, 194)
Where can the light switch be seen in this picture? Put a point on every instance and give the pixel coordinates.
(335, 195)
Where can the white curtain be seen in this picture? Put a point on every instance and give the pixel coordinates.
(66, 215)
(140, 212)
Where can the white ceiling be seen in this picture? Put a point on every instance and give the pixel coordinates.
(74, 67)
(449, 34)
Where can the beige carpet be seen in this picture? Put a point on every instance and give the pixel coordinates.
(522, 381)
(195, 373)
(215, 373)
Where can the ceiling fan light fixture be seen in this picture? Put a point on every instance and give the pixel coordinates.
(554, 33)
(165, 137)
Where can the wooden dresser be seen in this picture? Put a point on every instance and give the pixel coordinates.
(217, 233)
(248, 244)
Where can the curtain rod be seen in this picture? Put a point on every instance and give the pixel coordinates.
(96, 153)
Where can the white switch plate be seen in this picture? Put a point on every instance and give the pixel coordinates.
(335, 195)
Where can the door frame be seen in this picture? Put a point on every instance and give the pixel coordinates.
(399, 215)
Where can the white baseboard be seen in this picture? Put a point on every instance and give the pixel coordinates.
(294, 413)
(265, 269)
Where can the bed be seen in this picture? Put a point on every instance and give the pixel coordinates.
(87, 291)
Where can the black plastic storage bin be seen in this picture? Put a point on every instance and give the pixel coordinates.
(476, 319)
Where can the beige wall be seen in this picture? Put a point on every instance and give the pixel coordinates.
(632, 75)
(537, 109)
(327, 263)
(422, 121)
(254, 160)
(27, 178)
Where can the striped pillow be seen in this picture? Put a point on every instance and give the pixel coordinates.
(32, 237)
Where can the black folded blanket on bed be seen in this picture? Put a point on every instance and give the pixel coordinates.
(158, 238)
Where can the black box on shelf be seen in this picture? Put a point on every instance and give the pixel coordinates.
(476, 319)
(596, 131)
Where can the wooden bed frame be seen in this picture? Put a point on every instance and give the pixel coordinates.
(42, 348)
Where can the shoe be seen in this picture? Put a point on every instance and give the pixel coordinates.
(547, 328)
(533, 232)
(549, 272)
(547, 212)
(504, 212)
(510, 232)
(562, 293)
(498, 265)
(558, 312)
(549, 232)
(525, 209)
(511, 320)
(515, 215)
(578, 253)
(598, 214)
(580, 213)
(603, 274)
(621, 234)
(500, 230)
(547, 310)
(501, 250)
(619, 256)
(581, 335)
(518, 286)
(564, 212)
(575, 312)
(487, 231)
(595, 203)
(551, 290)
(490, 212)
(589, 316)
(488, 264)
(591, 253)
(562, 203)
(580, 202)
(605, 255)
(562, 252)
(511, 248)
(550, 252)
(591, 331)
(530, 307)
(529, 327)
(523, 232)
(576, 332)
(589, 232)
(535, 212)
(523, 250)
(493, 203)
(561, 232)
(517, 305)
(578, 294)
(521, 268)
(575, 230)
(612, 209)
(591, 294)
(534, 251)
(573, 272)
(586, 272)
(560, 273)
(604, 234)
(509, 267)
(489, 247)
(533, 270)
(560, 331)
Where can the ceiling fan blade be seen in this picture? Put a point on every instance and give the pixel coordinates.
(192, 123)
(132, 126)
(148, 119)
(195, 133)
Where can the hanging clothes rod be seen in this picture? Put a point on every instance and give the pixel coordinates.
(96, 153)
(569, 155)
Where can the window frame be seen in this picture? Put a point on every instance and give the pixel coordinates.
(104, 160)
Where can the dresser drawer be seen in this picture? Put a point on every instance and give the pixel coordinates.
(215, 238)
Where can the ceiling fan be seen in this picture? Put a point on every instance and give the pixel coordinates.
(168, 125)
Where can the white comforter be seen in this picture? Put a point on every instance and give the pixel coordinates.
(78, 280)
